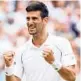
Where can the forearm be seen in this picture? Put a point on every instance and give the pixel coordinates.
(12, 78)
(67, 74)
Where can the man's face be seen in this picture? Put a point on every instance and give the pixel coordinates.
(34, 22)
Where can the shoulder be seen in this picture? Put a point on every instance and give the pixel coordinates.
(60, 42)
(58, 39)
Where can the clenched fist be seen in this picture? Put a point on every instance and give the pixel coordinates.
(48, 55)
(8, 57)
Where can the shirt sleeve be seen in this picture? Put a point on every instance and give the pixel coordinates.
(68, 57)
(18, 67)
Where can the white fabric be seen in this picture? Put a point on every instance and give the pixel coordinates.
(9, 70)
(29, 59)
(56, 65)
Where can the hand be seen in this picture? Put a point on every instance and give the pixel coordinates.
(48, 55)
(8, 57)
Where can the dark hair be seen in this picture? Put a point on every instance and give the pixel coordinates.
(38, 6)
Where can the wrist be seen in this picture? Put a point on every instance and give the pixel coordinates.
(56, 65)
(9, 70)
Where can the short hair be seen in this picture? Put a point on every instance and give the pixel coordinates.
(38, 6)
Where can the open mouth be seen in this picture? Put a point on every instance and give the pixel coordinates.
(32, 29)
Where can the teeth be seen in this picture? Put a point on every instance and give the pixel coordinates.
(31, 28)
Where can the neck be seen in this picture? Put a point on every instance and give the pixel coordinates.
(39, 39)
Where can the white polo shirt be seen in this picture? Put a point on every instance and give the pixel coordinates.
(29, 59)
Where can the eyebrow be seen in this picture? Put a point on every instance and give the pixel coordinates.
(32, 17)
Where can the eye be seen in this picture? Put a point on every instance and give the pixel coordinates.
(34, 18)
(27, 18)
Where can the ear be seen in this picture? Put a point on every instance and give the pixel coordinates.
(45, 20)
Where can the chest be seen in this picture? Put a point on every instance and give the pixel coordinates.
(33, 58)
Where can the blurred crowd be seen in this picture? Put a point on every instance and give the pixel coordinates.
(64, 20)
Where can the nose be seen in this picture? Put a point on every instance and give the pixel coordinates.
(30, 23)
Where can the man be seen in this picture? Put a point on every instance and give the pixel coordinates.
(43, 57)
